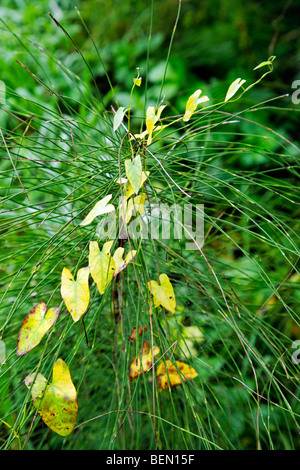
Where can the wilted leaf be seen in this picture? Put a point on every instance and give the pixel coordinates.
(234, 88)
(100, 208)
(75, 294)
(137, 368)
(35, 326)
(169, 371)
(118, 117)
(134, 172)
(163, 294)
(142, 329)
(151, 120)
(57, 402)
(192, 104)
(102, 265)
(120, 263)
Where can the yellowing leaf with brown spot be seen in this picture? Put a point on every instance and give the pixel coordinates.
(168, 372)
(137, 368)
(75, 294)
(35, 326)
(142, 329)
(163, 294)
(57, 402)
(102, 265)
(100, 208)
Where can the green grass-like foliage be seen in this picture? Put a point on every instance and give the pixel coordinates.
(236, 296)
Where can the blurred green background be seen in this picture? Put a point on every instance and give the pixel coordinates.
(214, 43)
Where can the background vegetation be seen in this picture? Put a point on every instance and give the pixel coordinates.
(237, 306)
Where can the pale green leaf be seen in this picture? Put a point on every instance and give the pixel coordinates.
(100, 208)
(134, 172)
(234, 88)
(268, 62)
(118, 117)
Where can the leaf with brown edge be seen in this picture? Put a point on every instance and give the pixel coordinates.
(163, 294)
(37, 323)
(168, 372)
(142, 329)
(56, 402)
(137, 367)
(75, 294)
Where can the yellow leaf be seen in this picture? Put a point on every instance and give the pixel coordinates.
(120, 263)
(137, 81)
(234, 88)
(163, 294)
(144, 133)
(169, 371)
(57, 402)
(192, 104)
(102, 265)
(100, 208)
(137, 368)
(75, 294)
(151, 120)
(35, 326)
